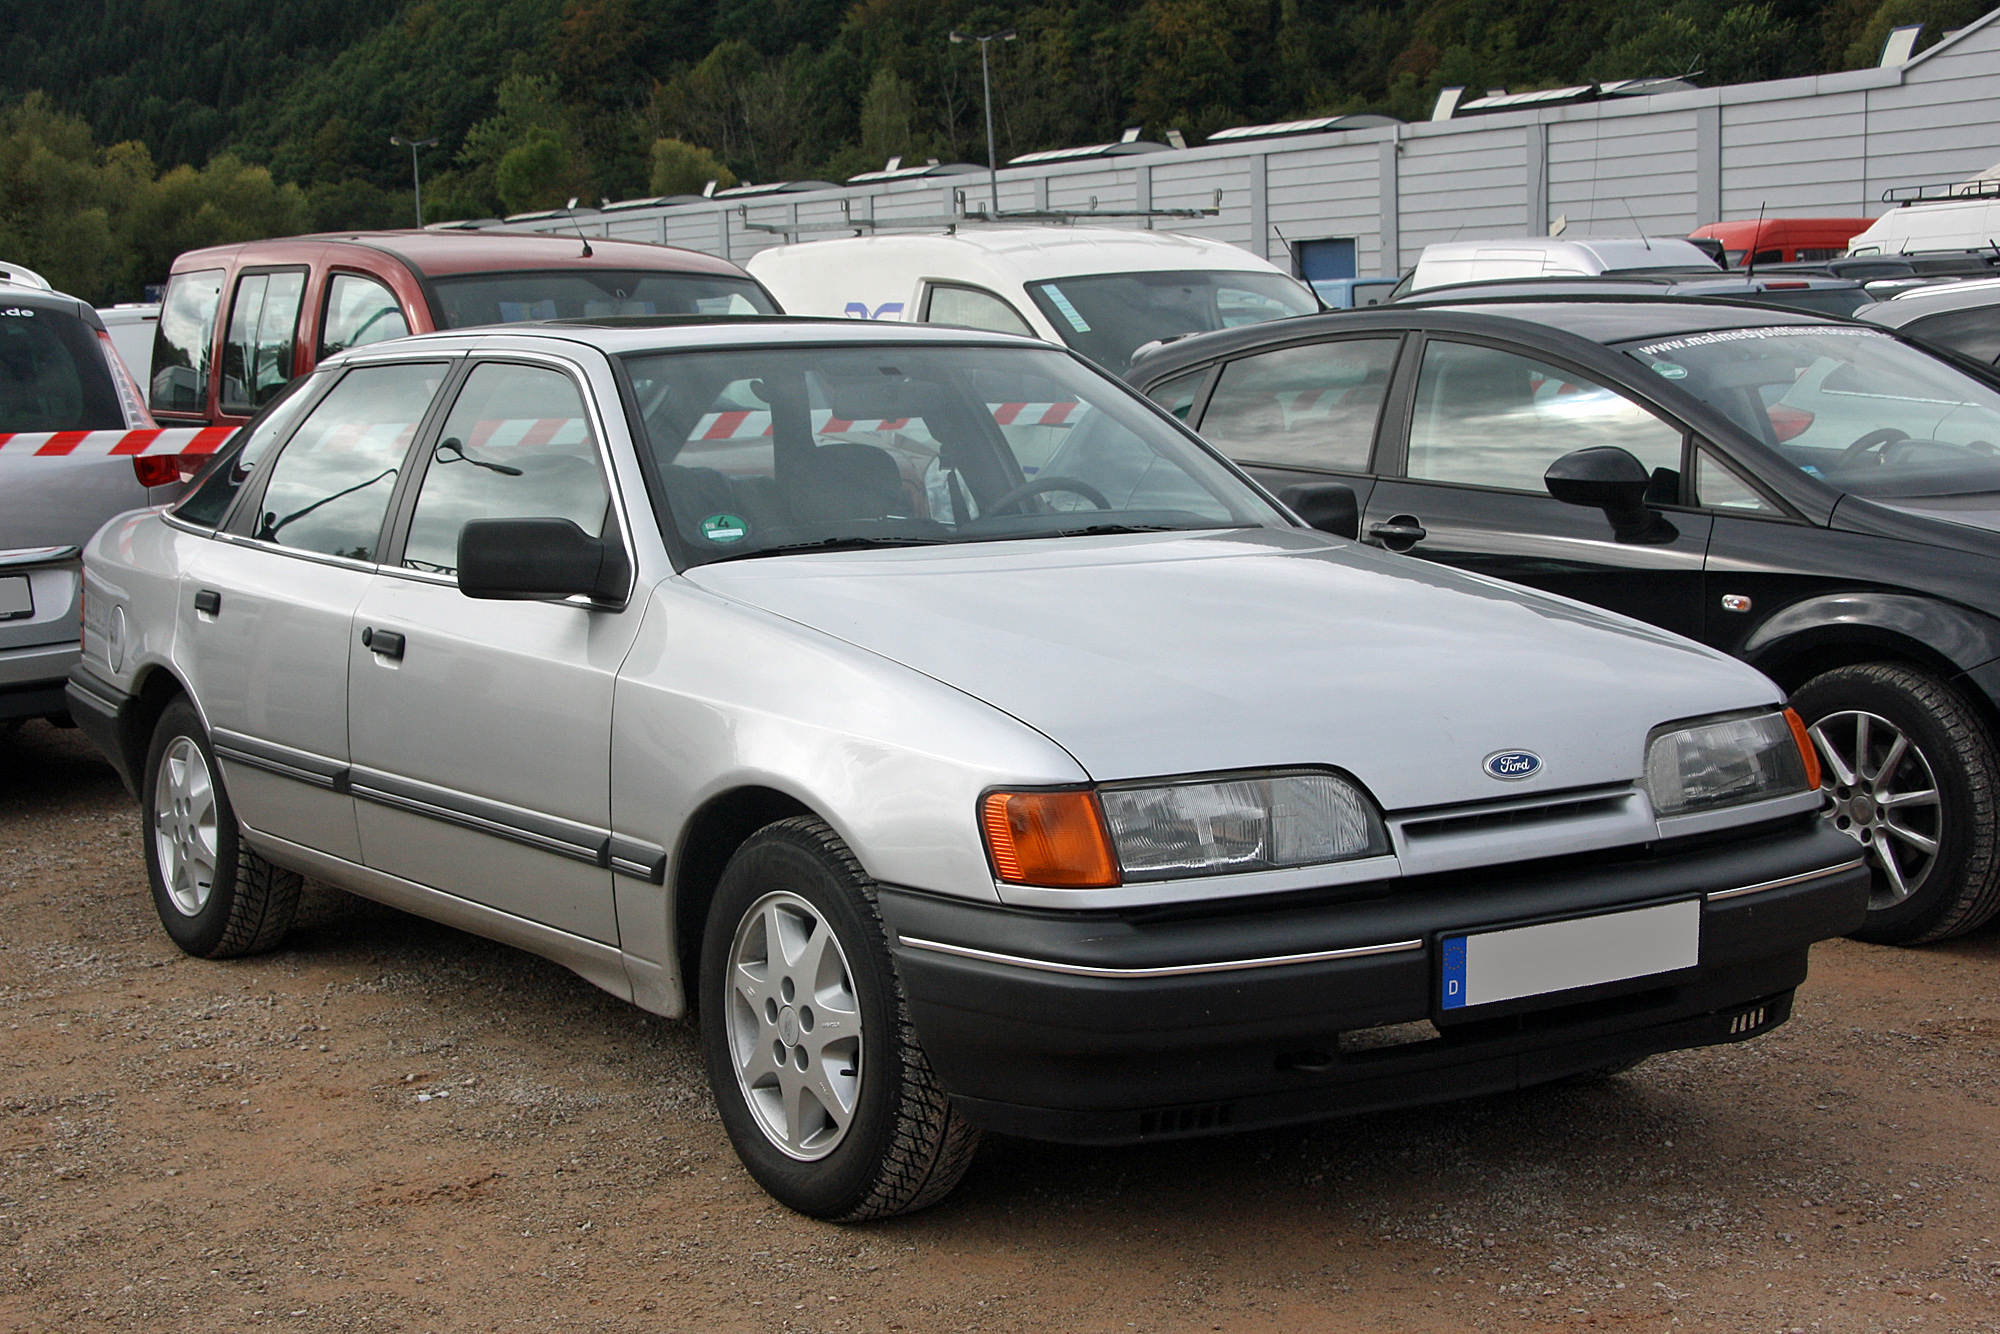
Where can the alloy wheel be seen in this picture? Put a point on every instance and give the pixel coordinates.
(184, 825)
(794, 1026)
(1885, 796)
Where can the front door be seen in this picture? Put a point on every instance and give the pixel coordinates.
(481, 730)
(1484, 426)
(266, 609)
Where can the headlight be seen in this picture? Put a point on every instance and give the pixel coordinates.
(1256, 822)
(1728, 762)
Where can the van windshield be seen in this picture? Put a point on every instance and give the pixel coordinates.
(469, 299)
(773, 451)
(1852, 406)
(1109, 316)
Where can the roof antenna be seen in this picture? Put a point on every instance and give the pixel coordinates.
(570, 213)
(1646, 240)
(1756, 239)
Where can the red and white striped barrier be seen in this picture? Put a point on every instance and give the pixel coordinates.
(199, 441)
(755, 425)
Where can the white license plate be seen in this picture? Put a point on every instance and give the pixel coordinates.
(16, 601)
(1562, 956)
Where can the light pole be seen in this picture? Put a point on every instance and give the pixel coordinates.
(986, 78)
(416, 177)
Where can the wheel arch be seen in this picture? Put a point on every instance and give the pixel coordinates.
(1843, 630)
(154, 687)
(720, 826)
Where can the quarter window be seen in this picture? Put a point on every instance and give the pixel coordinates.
(1308, 407)
(517, 445)
(973, 309)
(331, 485)
(359, 311)
(182, 341)
(1490, 418)
(1178, 394)
(257, 357)
(1717, 487)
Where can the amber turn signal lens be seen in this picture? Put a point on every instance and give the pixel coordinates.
(1807, 751)
(1048, 838)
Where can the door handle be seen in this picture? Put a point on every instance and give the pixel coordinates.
(388, 643)
(207, 600)
(1400, 533)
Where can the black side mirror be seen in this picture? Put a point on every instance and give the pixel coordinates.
(528, 559)
(1331, 507)
(1610, 479)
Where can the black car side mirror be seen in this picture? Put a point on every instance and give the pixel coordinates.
(1610, 479)
(528, 559)
(1331, 507)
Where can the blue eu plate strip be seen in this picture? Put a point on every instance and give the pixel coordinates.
(1453, 994)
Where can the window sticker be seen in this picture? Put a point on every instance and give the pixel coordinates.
(724, 528)
(1076, 321)
(1738, 335)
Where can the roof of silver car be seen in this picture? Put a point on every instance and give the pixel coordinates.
(646, 334)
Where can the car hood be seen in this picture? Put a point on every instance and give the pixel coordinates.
(1174, 654)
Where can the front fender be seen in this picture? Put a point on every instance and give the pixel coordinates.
(1951, 637)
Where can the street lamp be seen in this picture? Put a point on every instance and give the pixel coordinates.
(416, 177)
(986, 78)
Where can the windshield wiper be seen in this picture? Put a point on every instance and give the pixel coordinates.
(1108, 529)
(831, 544)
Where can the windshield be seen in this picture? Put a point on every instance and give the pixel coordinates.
(768, 451)
(1109, 316)
(510, 297)
(1852, 406)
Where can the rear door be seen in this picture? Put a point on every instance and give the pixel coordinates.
(1463, 471)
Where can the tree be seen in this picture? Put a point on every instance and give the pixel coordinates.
(680, 168)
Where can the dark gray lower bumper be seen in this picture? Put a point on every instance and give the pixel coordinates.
(107, 715)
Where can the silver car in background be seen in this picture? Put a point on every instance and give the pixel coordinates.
(961, 738)
(58, 374)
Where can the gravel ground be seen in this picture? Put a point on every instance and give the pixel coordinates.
(389, 1125)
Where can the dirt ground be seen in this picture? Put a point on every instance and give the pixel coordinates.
(389, 1125)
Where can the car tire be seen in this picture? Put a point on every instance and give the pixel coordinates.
(1885, 730)
(216, 898)
(816, 1069)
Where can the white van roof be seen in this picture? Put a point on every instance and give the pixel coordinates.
(1540, 256)
(1029, 252)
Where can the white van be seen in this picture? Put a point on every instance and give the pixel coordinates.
(1103, 291)
(1971, 223)
(1449, 262)
(131, 326)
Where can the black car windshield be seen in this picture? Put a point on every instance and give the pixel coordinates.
(769, 451)
(1854, 407)
(469, 299)
(1109, 316)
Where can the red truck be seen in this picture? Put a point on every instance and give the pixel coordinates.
(1781, 240)
(238, 322)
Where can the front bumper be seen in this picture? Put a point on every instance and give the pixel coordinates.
(1114, 1027)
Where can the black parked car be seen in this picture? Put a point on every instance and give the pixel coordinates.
(1962, 317)
(1818, 497)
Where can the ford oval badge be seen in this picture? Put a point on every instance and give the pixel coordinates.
(1512, 765)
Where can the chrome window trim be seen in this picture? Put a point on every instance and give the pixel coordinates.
(1170, 970)
(317, 557)
(1724, 894)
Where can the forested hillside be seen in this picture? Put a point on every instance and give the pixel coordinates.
(134, 128)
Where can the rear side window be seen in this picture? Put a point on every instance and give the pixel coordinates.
(53, 376)
(359, 311)
(1307, 407)
(181, 344)
(1973, 333)
(330, 487)
(258, 356)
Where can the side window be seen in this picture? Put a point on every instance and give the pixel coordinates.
(181, 342)
(1491, 418)
(209, 500)
(359, 311)
(331, 485)
(1178, 394)
(257, 356)
(1717, 487)
(1308, 407)
(517, 445)
(1974, 333)
(973, 309)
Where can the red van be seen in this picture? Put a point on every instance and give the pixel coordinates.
(1782, 240)
(238, 322)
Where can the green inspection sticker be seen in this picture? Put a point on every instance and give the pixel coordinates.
(724, 528)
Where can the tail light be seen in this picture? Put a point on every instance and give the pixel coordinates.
(157, 469)
(130, 400)
(1788, 423)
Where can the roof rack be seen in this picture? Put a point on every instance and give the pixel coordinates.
(1939, 192)
(961, 215)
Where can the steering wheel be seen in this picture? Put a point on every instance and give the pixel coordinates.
(1051, 483)
(1875, 439)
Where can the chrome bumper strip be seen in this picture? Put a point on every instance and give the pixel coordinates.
(1721, 894)
(1171, 970)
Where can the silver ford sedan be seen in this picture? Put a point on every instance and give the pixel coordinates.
(960, 737)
